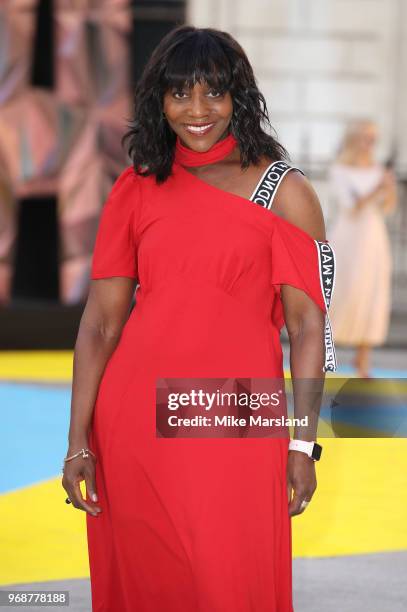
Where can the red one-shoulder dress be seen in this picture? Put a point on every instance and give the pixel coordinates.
(192, 525)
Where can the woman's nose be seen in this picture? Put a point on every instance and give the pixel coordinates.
(198, 107)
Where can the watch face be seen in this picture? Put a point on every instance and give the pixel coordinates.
(316, 451)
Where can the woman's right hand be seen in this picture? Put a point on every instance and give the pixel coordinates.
(379, 194)
(75, 471)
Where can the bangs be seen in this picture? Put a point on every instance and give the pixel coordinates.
(198, 59)
(186, 57)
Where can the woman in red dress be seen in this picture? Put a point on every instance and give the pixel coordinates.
(223, 242)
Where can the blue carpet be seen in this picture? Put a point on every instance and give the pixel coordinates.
(33, 434)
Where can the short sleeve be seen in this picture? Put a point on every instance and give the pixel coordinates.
(115, 251)
(307, 264)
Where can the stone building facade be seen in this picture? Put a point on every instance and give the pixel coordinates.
(320, 64)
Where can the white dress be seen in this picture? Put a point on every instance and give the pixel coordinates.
(360, 308)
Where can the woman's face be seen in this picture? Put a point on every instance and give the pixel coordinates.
(366, 137)
(200, 116)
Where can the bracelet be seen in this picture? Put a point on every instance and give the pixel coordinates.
(84, 452)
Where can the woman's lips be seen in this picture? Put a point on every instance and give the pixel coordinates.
(197, 129)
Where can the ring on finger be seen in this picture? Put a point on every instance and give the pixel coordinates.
(68, 501)
(304, 504)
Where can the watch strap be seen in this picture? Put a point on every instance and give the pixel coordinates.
(312, 449)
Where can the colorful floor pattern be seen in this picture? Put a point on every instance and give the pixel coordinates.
(360, 505)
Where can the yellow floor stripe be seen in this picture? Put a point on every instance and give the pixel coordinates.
(360, 506)
(42, 538)
(36, 366)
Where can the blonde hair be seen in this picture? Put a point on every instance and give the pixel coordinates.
(346, 148)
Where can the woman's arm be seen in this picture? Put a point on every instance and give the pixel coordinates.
(297, 202)
(105, 314)
(384, 192)
(371, 198)
(389, 201)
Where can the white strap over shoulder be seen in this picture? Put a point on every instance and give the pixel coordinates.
(264, 194)
(327, 265)
(266, 189)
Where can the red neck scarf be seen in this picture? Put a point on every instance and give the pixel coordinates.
(221, 149)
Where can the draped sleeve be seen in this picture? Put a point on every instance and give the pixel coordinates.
(115, 251)
(307, 264)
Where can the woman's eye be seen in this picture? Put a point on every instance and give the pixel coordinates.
(214, 94)
(179, 95)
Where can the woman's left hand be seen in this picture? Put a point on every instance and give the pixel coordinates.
(301, 479)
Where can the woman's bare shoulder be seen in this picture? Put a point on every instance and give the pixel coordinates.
(297, 201)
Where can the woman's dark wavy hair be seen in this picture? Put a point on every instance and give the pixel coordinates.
(186, 56)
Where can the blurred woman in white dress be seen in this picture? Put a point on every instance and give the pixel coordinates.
(364, 192)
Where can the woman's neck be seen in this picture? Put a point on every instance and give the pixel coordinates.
(218, 151)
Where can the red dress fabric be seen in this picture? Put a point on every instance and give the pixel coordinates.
(192, 525)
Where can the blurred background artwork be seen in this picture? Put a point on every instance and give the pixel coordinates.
(67, 72)
(64, 101)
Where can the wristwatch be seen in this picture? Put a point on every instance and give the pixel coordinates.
(312, 449)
